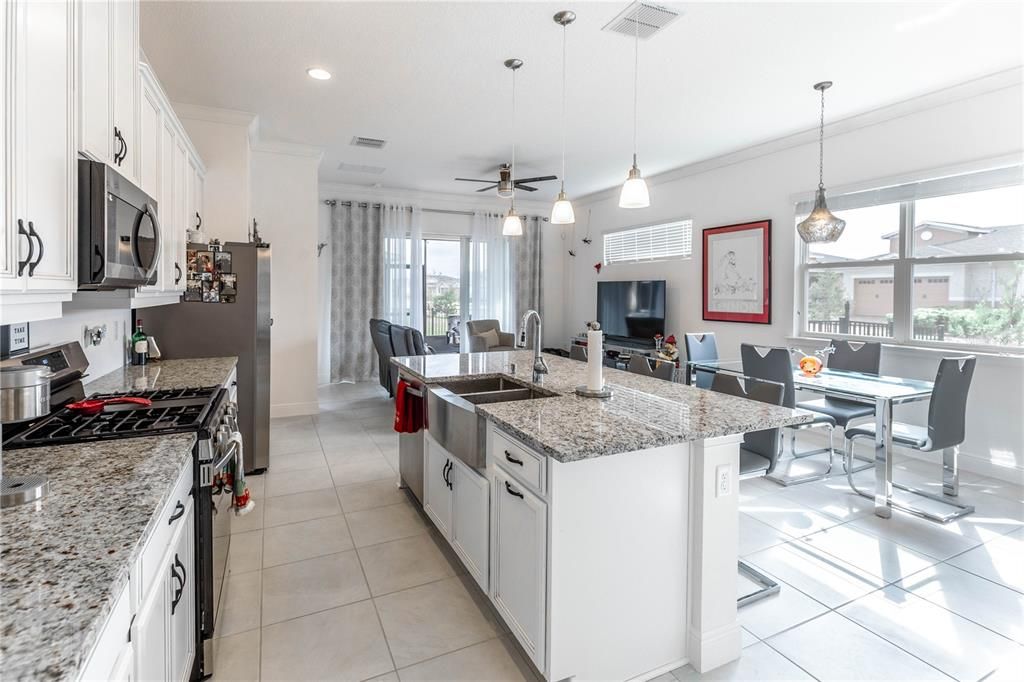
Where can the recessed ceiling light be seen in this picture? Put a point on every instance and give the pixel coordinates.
(319, 74)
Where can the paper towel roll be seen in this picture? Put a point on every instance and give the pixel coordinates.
(595, 360)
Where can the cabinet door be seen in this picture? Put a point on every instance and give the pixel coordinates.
(194, 219)
(149, 633)
(182, 595)
(11, 244)
(437, 495)
(170, 210)
(95, 55)
(124, 666)
(519, 566)
(151, 175)
(126, 79)
(44, 154)
(471, 520)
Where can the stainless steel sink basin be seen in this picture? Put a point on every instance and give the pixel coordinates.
(485, 385)
(504, 396)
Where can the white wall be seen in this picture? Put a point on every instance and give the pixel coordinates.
(963, 127)
(284, 201)
(104, 358)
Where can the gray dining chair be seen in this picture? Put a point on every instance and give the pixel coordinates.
(701, 348)
(947, 414)
(380, 333)
(641, 364)
(759, 453)
(850, 356)
(775, 364)
(577, 352)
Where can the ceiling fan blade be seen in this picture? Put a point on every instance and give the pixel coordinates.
(484, 189)
(544, 178)
(473, 180)
(526, 188)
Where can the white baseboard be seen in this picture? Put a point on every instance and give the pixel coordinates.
(709, 650)
(293, 409)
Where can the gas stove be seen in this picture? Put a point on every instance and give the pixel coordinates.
(176, 410)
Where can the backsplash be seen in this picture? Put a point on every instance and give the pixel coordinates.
(105, 357)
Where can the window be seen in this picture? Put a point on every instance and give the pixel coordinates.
(652, 242)
(940, 261)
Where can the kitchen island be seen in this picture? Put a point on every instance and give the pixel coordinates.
(605, 532)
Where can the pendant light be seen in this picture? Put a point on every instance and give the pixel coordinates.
(513, 225)
(634, 190)
(821, 226)
(561, 212)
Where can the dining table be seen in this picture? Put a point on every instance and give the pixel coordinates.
(882, 391)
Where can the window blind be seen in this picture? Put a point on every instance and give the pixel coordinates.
(652, 242)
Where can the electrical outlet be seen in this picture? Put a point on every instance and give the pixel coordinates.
(723, 480)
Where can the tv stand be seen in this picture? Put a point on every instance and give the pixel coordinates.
(625, 347)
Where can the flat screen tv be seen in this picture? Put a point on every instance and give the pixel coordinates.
(632, 311)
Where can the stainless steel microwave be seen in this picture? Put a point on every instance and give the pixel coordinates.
(118, 230)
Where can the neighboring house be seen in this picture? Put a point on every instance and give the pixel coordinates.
(438, 284)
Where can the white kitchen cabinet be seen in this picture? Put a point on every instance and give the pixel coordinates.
(195, 193)
(37, 264)
(437, 491)
(471, 520)
(182, 595)
(124, 667)
(150, 634)
(126, 87)
(150, 145)
(172, 210)
(519, 561)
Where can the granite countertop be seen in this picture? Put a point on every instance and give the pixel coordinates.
(65, 559)
(643, 413)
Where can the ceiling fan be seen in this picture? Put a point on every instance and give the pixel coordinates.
(504, 182)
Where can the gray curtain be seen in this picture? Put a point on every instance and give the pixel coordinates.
(526, 267)
(355, 290)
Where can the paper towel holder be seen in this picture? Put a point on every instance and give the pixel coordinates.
(603, 393)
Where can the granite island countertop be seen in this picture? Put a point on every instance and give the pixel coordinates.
(643, 413)
(65, 559)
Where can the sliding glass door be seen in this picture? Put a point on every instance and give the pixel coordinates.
(445, 287)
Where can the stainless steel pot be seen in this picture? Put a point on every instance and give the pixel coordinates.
(24, 393)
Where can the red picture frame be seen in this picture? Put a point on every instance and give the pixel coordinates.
(732, 290)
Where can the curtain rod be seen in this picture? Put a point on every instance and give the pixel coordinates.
(364, 204)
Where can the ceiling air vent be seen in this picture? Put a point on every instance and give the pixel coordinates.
(360, 168)
(650, 18)
(371, 142)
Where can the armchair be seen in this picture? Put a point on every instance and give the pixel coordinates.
(477, 342)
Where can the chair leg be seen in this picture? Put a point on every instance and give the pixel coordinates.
(795, 480)
(950, 471)
(768, 586)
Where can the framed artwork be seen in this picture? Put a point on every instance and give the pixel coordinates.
(738, 273)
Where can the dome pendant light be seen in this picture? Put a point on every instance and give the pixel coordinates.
(821, 226)
(634, 190)
(561, 212)
(513, 225)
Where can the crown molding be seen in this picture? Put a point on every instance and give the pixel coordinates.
(216, 115)
(438, 200)
(1000, 80)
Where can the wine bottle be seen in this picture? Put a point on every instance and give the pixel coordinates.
(140, 345)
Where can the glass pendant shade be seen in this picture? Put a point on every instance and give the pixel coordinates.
(634, 191)
(561, 212)
(513, 225)
(820, 226)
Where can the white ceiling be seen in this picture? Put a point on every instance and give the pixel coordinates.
(428, 77)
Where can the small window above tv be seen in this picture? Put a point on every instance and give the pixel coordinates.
(651, 242)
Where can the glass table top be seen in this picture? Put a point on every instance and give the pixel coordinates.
(838, 381)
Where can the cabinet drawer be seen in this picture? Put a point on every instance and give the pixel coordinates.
(112, 640)
(522, 463)
(169, 518)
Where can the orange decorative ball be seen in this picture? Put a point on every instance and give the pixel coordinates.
(810, 365)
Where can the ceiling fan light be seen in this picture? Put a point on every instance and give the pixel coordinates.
(513, 225)
(561, 212)
(634, 191)
(821, 226)
(505, 189)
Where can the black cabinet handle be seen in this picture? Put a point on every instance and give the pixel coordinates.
(199, 221)
(183, 578)
(34, 264)
(513, 491)
(122, 150)
(179, 511)
(444, 473)
(509, 457)
(177, 269)
(31, 247)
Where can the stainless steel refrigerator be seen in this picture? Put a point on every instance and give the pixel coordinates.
(226, 311)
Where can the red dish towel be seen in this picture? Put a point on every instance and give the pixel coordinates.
(409, 416)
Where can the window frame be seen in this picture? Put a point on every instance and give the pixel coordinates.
(903, 287)
(687, 221)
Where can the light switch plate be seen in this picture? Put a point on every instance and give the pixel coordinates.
(723, 480)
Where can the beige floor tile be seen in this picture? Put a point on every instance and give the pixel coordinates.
(345, 643)
(362, 469)
(304, 587)
(488, 660)
(290, 443)
(300, 507)
(362, 496)
(340, 447)
(298, 481)
(387, 677)
(305, 540)
(246, 553)
(382, 524)
(430, 620)
(758, 662)
(237, 657)
(310, 459)
(256, 485)
(239, 604)
(251, 521)
(396, 565)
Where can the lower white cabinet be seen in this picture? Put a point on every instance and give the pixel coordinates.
(519, 561)
(149, 634)
(456, 498)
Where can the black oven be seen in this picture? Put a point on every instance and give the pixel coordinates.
(118, 230)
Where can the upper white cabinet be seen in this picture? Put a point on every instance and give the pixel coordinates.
(37, 256)
(109, 87)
